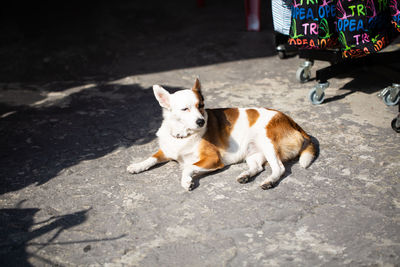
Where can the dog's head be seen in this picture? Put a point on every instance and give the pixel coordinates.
(184, 109)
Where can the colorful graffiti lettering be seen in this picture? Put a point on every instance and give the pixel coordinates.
(310, 43)
(313, 29)
(354, 53)
(361, 38)
(342, 40)
(324, 29)
(396, 26)
(360, 10)
(326, 2)
(327, 11)
(395, 10)
(293, 30)
(357, 27)
(375, 39)
(302, 13)
(379, 44)
(296, 4)
(382, 4)
(350, 25)
(342, 11)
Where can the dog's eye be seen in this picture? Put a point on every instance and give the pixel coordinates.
(185, 109)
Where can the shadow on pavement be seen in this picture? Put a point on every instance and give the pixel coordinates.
(38, 143)
(369, 79)
(16, 233)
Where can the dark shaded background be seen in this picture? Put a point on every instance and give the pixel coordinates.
(44, 41)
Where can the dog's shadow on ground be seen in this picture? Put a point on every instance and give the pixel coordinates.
(196, 180)
(288, 169)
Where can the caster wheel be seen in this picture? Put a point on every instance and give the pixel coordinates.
(396, 125)
(281, 54)
(388, 101)
(303, 74)
(314, 98)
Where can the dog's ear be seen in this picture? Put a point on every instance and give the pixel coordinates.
(162, 96)
(197, 90)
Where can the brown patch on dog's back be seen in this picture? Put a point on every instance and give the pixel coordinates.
(286, 136)
(252, 116)
(220, 124)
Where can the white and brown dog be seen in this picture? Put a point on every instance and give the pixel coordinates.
(204, 140)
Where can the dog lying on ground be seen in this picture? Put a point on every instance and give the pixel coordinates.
(204, 140)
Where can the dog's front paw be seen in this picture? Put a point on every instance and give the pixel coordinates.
(135, 168)
(187, 183)
(243, 178)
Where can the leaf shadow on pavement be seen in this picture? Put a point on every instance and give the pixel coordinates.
(18, 230)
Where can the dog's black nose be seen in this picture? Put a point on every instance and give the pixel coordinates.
(200, 122)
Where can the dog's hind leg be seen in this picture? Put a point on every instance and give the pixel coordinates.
(158, 157)
(255, 163)
(276, 165)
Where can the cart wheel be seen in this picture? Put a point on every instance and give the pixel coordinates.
(388, 100)
(314, 98)
(281, 54)
(396, 125)
(303, 74)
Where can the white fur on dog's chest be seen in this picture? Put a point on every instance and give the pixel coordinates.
(183, 150)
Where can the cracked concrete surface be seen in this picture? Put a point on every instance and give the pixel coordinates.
(67, 200)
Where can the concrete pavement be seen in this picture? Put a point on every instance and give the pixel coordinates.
(67, 200)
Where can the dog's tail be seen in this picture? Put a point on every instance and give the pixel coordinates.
(308, 152)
